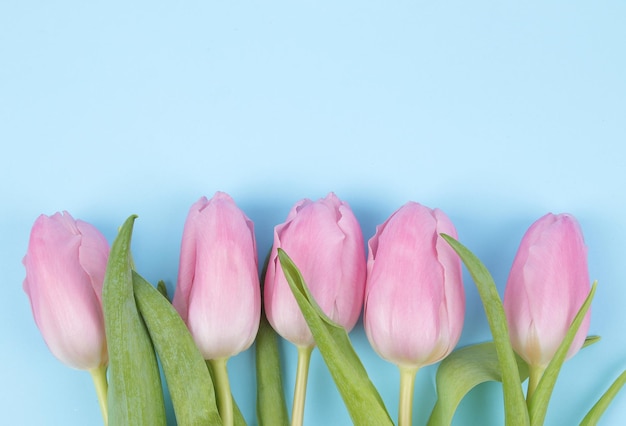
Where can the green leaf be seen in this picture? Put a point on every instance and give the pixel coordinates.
(466, 368)
(135, 394)
(361, 398)
(186, 374)
(238, 419)
(460, 372)
(539, 400)
(515, 405)
(162, 289)
(593, 416)
(590, 340)
(271, 406)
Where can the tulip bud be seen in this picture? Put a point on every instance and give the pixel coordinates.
(325, 241)
(65, 265)
(547, 285)
(414, 301)
(218, 294)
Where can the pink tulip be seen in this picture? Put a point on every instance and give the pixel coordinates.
(547, 285)
(324, 240)
(65, 265)
(414, 302)
(218, 294)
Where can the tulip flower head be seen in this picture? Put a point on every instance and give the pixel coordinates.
(547, 285)
(218, 293)
(414, 302)
(65, 265)
(325, 241)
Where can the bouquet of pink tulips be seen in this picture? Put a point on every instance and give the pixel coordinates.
(97, 313)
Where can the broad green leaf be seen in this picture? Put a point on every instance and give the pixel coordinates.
(466, 368)
(238, 418)
(271, 407)
(593, 416)
(188, 379)
(515, 405)
(135, 392)
(460, 372)
(361, 398)
(539, 400)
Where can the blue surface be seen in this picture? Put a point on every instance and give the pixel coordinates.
(494, 112)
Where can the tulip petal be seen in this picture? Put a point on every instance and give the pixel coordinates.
(93, 254)
(65, 307)
(547, 284)
(414, 282)
(325, 240)
(187, 266)
(218, 293)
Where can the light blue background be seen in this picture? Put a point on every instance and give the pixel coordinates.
(496, 112)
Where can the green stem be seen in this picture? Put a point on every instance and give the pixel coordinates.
(299, 395)
(222, 387)
(99, 376)
(535, 374)
(407, 386)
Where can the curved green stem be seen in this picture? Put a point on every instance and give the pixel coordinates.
(302, 375)
(99, 376)
(222, 387)
(535, 374)
(407, 386)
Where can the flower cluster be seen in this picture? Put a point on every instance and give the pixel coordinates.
(93, 309)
